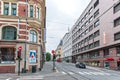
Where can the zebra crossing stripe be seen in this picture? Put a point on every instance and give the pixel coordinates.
(81, 73)
(70, 72)
(64, 73)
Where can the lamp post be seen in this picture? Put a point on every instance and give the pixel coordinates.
(25, 39)
(54, 57)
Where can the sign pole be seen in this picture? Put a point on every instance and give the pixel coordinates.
(18, 67)
(53, 52)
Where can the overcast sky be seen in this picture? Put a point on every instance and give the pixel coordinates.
(61, 15)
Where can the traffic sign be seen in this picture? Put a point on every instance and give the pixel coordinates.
(20, 48)
(53, 52)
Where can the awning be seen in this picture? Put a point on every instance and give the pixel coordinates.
(109, 59)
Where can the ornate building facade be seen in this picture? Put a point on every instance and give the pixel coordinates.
(22, 24)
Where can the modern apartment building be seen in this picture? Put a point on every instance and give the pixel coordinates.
(22, 25)
(96, 35)
(67, 47)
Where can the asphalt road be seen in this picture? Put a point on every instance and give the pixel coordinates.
(65, 71)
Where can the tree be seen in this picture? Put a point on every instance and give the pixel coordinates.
(48, 56)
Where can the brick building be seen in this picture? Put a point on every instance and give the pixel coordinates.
(22, 23)
(96, 35)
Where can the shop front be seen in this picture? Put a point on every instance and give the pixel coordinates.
(7, 58)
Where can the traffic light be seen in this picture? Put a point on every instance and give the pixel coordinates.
(54, 56)
(19, 54)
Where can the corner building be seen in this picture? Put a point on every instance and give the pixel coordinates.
(22, 24)
(96, 35)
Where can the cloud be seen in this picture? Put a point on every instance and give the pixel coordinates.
(59, 14)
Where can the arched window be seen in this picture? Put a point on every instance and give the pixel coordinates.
(9, 33)
(33, 36)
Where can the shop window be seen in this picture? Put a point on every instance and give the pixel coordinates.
(33, 36)
(117, 22)
(6, 8)
(9, 33)
(117, 8)
(7, 55)
(13, 9)
(117, 36)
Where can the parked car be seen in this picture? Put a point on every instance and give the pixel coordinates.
(80, 65)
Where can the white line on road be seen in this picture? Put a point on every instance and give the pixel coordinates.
(82, 73)
(17, 79)
(8, 78)
(64, 73)
(70, 72)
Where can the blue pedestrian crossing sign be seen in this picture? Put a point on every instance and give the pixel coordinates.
(32, 58)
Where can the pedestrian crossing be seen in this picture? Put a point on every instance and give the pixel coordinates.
(87, 73)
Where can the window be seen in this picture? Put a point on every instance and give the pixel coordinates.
(13, 9)
(96, 33)
(7, 55)
(117, 22)
(90, 45)
(9, 33)
(86, 31)
(106, 52)
(96, 23)
(117, 8)
(6, 8)
(96, 3)
(91, 28)
(33, 36)
(86, 23)
(117, 36)
(118, 50)
(90, 10)
(90, 19)
(31, 10)
(96, 44)
(37, 13)
(96, 13)
(91, 37)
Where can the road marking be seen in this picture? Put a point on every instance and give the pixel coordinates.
(18, 79)
(88, 73)
(93, 73)
(64, 73)
(70, 72)
(8, 78)
(81, 73)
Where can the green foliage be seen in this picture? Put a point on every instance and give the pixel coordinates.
(48, 56)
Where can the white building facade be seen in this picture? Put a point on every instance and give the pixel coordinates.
(67, 46)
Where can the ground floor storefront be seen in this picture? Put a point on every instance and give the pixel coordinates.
(108, 57)
(30, 57)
